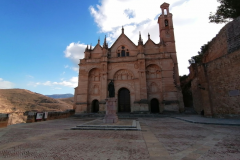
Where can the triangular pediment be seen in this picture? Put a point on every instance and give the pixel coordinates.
(123, 40)
(97, 49)
(150, 44)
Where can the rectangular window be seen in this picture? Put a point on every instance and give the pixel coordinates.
(123, 53)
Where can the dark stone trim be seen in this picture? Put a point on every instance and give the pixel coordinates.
(170, 102)
(102, 102)
(142, 101)
(81, 103)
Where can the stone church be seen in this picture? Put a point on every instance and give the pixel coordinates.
(145, 76)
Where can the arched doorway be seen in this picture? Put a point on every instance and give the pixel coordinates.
(95, 106)
(124, 100)
(154, 106)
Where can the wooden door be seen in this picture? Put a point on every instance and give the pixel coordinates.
(154, 106)
(95, 106)
(124, 100)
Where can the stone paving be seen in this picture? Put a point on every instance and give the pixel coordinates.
(160, 138)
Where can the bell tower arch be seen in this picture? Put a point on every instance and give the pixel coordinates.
(166, 26)
(166, 32)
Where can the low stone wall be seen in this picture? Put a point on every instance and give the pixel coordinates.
(3, 120)
(32, 116)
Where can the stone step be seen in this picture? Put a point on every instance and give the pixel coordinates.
(98, 128)
(121, 115)
(134, 127)
(105, 126)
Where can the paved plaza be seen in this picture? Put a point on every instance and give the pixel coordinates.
(160, 138)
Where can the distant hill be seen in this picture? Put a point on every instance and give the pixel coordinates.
(21, 100)
(56, 96)
(17, 101)
(69, 100)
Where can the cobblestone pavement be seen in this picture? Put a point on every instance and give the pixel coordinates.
(160, 138)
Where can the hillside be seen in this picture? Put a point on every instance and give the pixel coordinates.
(69, 100)
(60, 95)
(21, 100)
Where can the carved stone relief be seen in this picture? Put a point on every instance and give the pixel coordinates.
(103, 67)
(153, 71)
(94, 75)
(123, 75)
(95, 89)
(136, 66)
(152, 87)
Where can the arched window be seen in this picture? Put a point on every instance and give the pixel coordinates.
(122, 51)
(166, 22)
(165, 11)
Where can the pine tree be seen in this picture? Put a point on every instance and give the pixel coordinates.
(228, 10)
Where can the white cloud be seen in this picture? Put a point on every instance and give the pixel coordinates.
(75, 69)
(191, 25)
(66, 66)
(47, 83)
(70, 83)
(29, 76)
(75, 51)
(5, 84)
(73, 82)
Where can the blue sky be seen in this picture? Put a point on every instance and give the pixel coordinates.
(42, 40)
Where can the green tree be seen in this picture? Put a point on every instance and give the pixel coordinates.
(228, 10)
(186, 91)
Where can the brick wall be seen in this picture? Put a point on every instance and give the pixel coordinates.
(224, 81)
(215, 83)
(225, 42)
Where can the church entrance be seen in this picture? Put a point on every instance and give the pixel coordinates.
(124, 100)
(154, 106)
(95, 106)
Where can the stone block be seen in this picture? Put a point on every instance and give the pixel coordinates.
(167, 74)
(171, 107)
(111, 109)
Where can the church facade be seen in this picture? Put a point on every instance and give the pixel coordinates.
(145, 76)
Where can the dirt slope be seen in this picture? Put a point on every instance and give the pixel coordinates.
(21, 100)
(69, 100)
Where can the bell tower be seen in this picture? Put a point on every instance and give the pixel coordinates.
(167, 37)
(166, 28)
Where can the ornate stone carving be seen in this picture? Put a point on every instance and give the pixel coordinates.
(153, 87)
(136, 66)
(153, 71)
(95, 89)
(94, 75)
(123, 75)
(103, 67)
